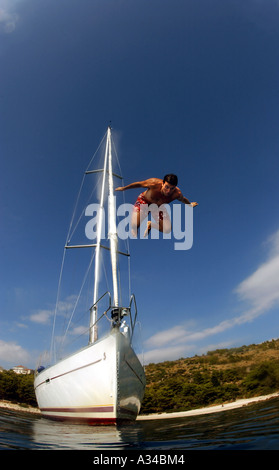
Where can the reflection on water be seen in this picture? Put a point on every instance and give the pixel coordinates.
(51, 434)
(251, 427)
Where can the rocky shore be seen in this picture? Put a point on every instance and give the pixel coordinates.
(209, 409)
(16, 407)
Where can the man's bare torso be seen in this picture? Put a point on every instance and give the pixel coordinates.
(154, 194)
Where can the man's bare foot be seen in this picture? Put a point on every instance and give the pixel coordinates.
(148, 228)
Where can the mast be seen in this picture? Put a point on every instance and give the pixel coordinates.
(112, 235)
(93, 311)
(112, 226)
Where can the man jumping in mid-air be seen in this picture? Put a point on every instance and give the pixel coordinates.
(158, 193)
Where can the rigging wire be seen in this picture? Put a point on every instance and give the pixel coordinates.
(77, 300)
(79, 193)
(71, 231)
(126, 242)
(52, 343)
(70, 235)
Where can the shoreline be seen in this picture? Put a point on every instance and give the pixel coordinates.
(4, 404)
(209, 409)
(8, 405)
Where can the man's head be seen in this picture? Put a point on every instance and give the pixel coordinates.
(171, 179)
(169, 184)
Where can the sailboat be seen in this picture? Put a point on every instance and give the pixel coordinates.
(103, 382)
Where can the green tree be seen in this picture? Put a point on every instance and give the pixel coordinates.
(264, 378)
(17, 388)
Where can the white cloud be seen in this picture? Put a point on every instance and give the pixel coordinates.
(20, 325)
(64, 306)
(79, 330)
(12, 353)
(8, 15)
(41, 316)
(260, 291)
(176, 333)
(44, 316)
(166, 354)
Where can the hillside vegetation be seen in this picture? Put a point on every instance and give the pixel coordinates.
(219, 376)
(17, 388)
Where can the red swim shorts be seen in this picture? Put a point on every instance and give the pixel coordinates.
(142, 205)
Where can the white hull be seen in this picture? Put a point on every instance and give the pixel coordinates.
(101, 384)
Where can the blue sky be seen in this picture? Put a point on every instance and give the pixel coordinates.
(192, 88)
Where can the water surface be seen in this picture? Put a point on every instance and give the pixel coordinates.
(252, 427)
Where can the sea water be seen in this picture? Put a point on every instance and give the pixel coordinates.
(252, 427)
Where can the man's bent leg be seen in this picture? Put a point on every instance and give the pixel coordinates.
(137, 217)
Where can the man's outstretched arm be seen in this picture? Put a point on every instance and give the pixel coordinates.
(139, 184)
(186, 201)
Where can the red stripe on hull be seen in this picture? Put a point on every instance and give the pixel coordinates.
(92, 409)
(89, 421)
(94, 420)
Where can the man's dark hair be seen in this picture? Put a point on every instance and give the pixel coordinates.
(171, 179)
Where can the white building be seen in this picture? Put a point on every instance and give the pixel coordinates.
(21, 370)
